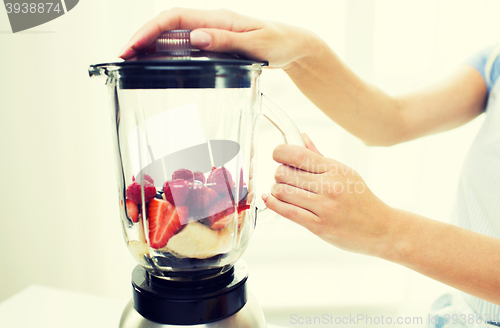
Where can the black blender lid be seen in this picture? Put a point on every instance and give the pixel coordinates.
(173, 49)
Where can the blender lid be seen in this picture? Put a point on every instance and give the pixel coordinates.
(173, 49)
(174, 63)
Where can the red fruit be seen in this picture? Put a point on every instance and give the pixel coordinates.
(148, 178)
(221, 181)
(149, 191)
(242, 183)
(199, 176)
(132, 210)
(200, 198)
(134, 192)
(176, 192)
(183, 174)
(219, 215)
(165, 220)
(222, 213)
(222, 222)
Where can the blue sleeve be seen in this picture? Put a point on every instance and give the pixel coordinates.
(478, 61)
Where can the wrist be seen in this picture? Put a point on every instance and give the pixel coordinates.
(309, 49)
(396, 243)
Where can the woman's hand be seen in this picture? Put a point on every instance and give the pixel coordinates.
(226, 31)
(331, 200)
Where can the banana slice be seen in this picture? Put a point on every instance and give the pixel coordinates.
(138, 249)
(198, 241)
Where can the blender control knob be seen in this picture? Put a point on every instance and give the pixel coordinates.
(176, 42)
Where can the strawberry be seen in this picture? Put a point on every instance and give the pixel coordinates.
(165, 220)
(176, 191)
(134, 191)
(148, 178)
(241, 185)
(183, 174)
(221, 181)
(222, 213)
(200, 198)
(199, 176)
(132, 210)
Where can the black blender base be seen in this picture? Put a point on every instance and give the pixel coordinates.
(220, 301)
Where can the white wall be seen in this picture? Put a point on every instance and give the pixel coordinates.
(58, 219)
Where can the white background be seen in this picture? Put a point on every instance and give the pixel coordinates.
(59, 222)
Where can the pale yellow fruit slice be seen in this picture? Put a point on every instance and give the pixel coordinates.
(198, 241)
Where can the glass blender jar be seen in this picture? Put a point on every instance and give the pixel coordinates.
(185, 123)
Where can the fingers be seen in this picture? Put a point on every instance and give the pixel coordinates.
(309, 144)
(298, 178)
(301, 158)
(220, 41)
(189, 19)
(296, 214)
(295, 196)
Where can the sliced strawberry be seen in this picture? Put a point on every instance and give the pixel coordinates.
(164, 221)
(223, 213)
(132, 210)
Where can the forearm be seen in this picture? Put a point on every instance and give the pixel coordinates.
(360, 108)
(458, 257)
(375, 117)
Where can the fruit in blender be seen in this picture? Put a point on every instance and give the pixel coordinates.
(196, 240)
(200, 198)
(199, 176)
(222, 213)
(165, 220)
(134, 191)
(221, 181)
(132, 210)
(148, 178)
(138, 250)
(183, 174)
(176, 191)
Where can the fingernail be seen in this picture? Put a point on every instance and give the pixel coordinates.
(265, 197)
(200, 39)
(126, 51)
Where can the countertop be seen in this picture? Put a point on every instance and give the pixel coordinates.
(47, 307)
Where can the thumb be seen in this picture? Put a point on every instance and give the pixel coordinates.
(309, 144)
(210, 39)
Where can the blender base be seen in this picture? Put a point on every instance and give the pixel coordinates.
(192, 300)
(250, 316)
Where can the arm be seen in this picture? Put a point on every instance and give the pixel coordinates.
(333, 202)
(362, 109)
(379, 119)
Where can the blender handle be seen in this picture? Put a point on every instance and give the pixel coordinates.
(288, 129)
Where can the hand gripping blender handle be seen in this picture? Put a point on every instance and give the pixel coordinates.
(288, 129)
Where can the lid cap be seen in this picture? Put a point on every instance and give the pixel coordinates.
(175, 42)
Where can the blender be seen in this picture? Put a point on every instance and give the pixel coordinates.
(185, 123)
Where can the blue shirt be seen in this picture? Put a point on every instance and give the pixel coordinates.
(478, 61)
(477, 204)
